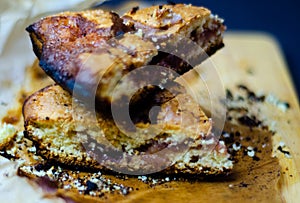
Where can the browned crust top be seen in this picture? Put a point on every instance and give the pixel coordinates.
(39, 105)
(168, 15)
(69, 26)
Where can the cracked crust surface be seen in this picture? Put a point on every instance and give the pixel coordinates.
(171, 18)
(179, 21)
(72, 46)
(50, 122)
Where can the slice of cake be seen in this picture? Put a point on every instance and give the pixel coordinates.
(181, 20)
(179, 139)
(92, 50)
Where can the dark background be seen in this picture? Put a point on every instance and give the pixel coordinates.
(278, 18)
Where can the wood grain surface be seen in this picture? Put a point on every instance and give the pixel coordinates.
(260, 53)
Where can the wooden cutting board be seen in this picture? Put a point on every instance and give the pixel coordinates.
(251, 59)
(255, 59)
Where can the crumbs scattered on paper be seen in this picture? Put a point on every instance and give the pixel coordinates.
(283, 149)
(282, 105)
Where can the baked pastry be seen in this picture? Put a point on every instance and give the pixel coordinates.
(178, 22)
(72, 46)
(67, 133)
(89, 54)
(178, 25)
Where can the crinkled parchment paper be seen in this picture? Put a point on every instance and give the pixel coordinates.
(15, 56)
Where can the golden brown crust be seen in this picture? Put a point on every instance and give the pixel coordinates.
(59, 40)
(48, 109)
(33, 108)
(179, 23)
(167, 16)
(50, 122)
(183, 113)
(73, 44)
(67, 27)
